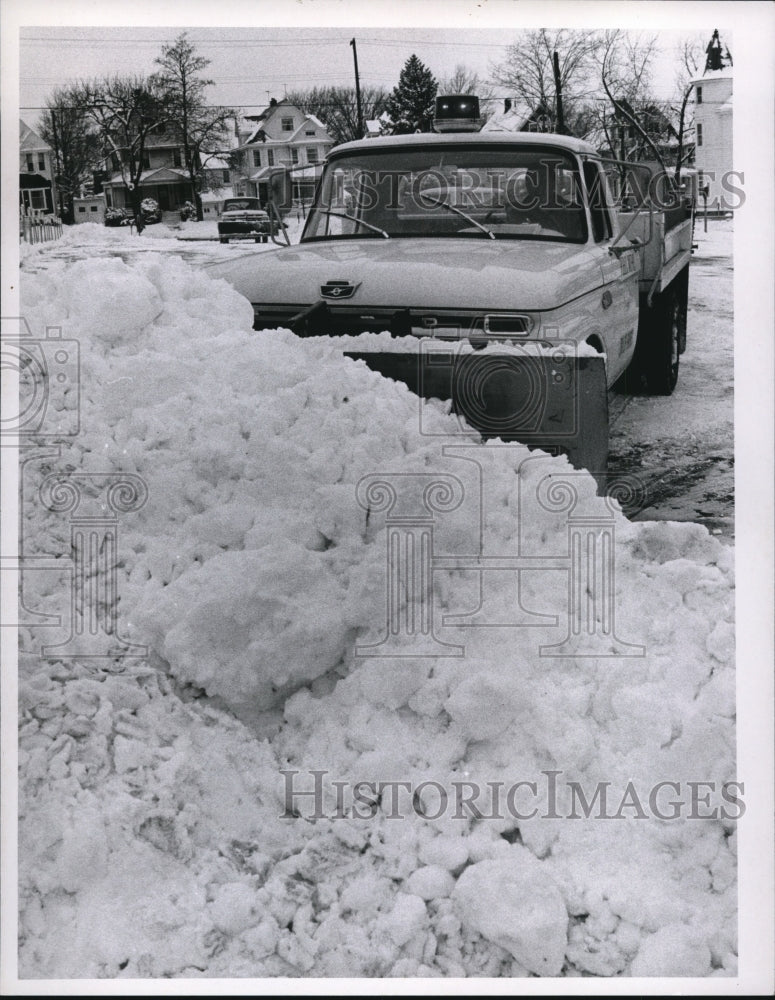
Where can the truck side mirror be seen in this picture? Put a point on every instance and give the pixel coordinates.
(281, 189)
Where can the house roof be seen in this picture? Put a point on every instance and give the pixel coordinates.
(216, 163)
(33, 182)
(29, 140)
(218, 194)
(164, 175)
(259, 175)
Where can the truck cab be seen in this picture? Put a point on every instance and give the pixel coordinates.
(471, 240)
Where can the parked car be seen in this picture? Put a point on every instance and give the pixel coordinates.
(243, 218)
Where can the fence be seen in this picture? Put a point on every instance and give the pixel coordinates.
(35, 229)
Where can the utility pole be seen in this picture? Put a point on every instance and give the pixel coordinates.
(558, 91)
(357, 89)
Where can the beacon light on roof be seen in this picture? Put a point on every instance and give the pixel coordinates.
(457, 113)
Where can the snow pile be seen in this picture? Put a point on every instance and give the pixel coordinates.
(167, 823)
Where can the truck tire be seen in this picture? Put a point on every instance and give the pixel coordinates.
(662, 361)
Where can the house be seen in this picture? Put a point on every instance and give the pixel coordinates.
(163, 178)
(37, 189)
(281, 136)
(713, 125)
(518, 116)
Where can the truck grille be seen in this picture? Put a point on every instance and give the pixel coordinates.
(324, 319)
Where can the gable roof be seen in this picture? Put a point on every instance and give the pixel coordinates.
(29, 140)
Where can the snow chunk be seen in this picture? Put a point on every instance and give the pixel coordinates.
(513, 902)
(234, 908)
(430, 882)
(252, 624)
(407, 918)
(674, 950)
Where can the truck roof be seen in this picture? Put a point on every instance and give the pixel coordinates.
(568, 142)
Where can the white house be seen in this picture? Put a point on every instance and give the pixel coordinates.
(281, 136)
(37, 190)
(713, 127)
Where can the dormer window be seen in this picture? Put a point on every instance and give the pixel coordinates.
(287, 124)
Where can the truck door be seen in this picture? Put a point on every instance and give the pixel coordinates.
(618, 308)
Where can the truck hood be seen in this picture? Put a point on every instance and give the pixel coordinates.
(420, 273)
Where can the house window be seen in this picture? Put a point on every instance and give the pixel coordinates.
(310, 131)
(312, 154)
(92, 208)
(287, 124)
(146, 160)
(699, 135)
(176, 160)
(699, 95)
(41, 161)
(30, 164)
(226, 177)
(294, 155)
(256, 157)
(82, 208)
(270, 157)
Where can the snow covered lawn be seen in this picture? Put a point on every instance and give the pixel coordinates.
(164, 829)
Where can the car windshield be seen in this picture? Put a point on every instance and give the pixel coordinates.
(483, 192)
(241, 203)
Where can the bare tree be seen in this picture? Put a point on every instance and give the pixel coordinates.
(126, 111)
(66, 127)
(201, 129)
(528, 73)
(625, 64)
(692, 51)
(337, 108)
(466, 81)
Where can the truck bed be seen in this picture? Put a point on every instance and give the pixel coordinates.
(667, 235)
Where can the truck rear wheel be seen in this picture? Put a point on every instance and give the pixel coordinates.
(668, 338)
(664, 356)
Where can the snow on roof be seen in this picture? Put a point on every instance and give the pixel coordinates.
(217, 194)
(29, 140)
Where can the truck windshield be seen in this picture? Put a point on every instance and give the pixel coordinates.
(482, 192)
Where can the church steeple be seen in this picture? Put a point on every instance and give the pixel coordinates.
(714, 58)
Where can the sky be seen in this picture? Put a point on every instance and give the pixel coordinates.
(251, 64)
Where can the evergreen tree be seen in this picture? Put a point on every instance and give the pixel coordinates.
(411, 105)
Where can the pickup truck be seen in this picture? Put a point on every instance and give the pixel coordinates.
(523, 288)
(243, 218)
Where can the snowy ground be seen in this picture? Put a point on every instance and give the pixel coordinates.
(681, 448)
(157, 837)
(678, 450)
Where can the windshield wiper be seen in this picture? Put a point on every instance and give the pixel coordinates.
(353, 218)
(438, 203)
